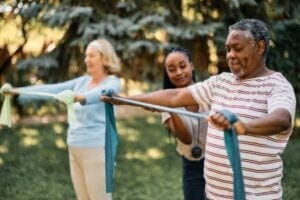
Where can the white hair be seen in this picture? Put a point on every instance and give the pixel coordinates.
(112, 61)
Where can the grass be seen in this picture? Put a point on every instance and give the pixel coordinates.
(34, 163)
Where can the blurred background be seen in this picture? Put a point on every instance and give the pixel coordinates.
(44, 42)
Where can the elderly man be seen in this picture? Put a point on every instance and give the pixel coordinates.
(264, 102)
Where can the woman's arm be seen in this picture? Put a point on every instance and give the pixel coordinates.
(170, 97)
(177, 127)
(46, 88)
(92, 96)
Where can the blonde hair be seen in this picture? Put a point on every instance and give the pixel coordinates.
(112, 61)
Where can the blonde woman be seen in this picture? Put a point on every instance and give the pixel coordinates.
(86, 135)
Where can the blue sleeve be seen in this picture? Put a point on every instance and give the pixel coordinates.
(93, 96)
(46, 88)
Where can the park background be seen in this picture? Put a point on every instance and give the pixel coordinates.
(44, 42)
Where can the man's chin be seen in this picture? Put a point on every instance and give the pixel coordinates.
(238, 74)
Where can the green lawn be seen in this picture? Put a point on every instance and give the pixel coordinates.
(34, 163)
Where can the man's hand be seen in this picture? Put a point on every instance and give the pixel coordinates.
(220, 122)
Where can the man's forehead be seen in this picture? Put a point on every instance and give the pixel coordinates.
(238, 36)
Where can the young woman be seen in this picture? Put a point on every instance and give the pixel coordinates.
(190, 132)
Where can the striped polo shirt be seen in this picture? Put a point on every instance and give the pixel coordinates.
(260, 155)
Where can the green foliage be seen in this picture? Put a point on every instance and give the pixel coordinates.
(47, 61)
(32, 166)
(147, 162)
(291, 170)
(285, 51)
(147, 165)
(141, 29)
(30, 10)
(64, 14)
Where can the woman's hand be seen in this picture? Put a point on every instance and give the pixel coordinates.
(108, 97)
(7, 89)
(79, 98)
(111, 99)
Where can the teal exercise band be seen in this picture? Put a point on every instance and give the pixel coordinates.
(232, 148)
(111, 143)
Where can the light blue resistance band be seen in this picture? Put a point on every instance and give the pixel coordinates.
(111, 143)
(232, 148)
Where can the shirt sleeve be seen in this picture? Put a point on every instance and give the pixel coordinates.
(46, 88)
(93, 96)
(202, 92)
(283, 96)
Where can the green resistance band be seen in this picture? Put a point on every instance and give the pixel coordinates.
(66, 97)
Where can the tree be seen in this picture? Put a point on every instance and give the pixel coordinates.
(140, 30)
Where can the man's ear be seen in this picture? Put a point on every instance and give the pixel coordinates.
(261, 47)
